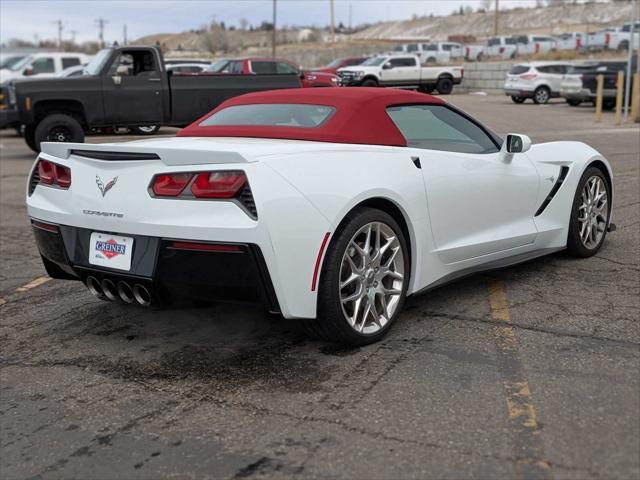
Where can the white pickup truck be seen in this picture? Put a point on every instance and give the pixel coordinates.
(502, 47)
(534, 44)
(404, 71)
(615, 38)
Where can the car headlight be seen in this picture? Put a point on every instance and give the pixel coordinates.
(334, 80)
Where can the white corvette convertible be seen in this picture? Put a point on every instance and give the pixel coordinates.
(328, 205)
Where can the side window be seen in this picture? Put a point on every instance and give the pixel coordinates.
(263, 67)
(285, 68)
(547, 69)
(403, 62)
(43, 65)
(133, 64)
(436, 127)
(354, 61)
(432, 47)
(235, 67)
(70, 62)
(446, 47)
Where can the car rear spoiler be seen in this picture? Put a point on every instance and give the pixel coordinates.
(129, 152)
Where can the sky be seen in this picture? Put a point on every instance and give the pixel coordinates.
(35, 19)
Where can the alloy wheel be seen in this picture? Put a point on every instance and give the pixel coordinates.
(542, 95)
(593, 212)
(371, 277)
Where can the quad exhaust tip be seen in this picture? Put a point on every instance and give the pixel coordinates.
(108, 290)
(93, 284)
(142, 295)
(125, 292)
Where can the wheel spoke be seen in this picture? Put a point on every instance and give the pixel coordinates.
(352, 278)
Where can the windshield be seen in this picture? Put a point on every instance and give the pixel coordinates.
(95, 65)
(373, 61)
(218, 65)
(272, 115)
(9, 62)
(335, 63)
(22, 63)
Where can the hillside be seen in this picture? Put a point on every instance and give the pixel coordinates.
(544, 20)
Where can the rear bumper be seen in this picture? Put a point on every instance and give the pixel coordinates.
(516, 92)
(170, 269)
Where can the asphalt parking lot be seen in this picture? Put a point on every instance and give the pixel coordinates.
(527, 372)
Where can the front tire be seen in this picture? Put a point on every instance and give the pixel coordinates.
(574, 102)
(363, 280)
(370, 82)
(58, 127)
(589, 214)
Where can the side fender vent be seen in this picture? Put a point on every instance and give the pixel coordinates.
(564, 170)
(245, 197)
(34, 180)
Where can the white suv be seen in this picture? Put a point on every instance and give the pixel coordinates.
(537, 80)
(44, 64)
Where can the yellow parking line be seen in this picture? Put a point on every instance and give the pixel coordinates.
(33, 284)
(528, 446)
(36, 282)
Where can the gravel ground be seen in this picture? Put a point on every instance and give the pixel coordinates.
(527, 372)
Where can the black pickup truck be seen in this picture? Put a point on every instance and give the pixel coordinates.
(609, 70)
(121, 87)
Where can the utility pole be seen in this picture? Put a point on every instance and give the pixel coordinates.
(350, 16)
(627, 83)
(495, 20)
(333, 23)
(60, 28)
(124, 34)
(101, 22)
(274, 32)
(73, 35)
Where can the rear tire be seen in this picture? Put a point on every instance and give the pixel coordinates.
(589, 214)
(146, 130)
(573, 102)
(444, 85)
(541, 95)
(517, 99)
(383, 277)
(58, 127)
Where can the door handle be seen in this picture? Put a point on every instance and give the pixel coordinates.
(155, 79)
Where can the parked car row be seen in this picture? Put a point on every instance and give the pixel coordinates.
(509, 47)
(541, 81)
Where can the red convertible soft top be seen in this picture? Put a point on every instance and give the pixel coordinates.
(360, 115)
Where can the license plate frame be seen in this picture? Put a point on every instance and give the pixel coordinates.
(111, 251)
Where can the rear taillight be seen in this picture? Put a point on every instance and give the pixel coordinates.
(607, 39)
(218, 184)
(537, 48)
(170, 185)
(462, 72)
(528, 76)
(53, 174)
(501, 50)
(578, 43)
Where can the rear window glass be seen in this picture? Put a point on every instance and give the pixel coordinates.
(518, 69)
(274, 115)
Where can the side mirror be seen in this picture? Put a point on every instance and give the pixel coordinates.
(387, 66)
(27, 72)
(514, 143)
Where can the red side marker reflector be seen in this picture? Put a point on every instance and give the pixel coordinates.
(208, 247)
(318, 260)
(45, 226)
